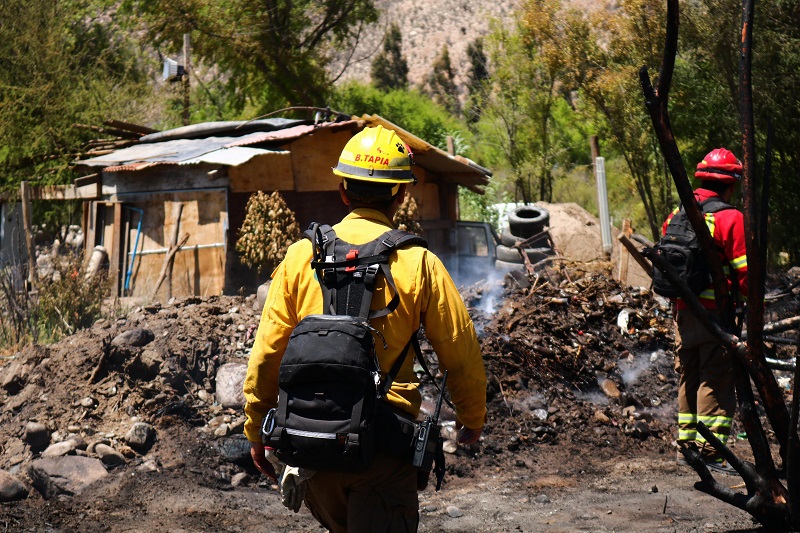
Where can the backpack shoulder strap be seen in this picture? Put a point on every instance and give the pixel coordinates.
(323, 242)
(385, 245)
(714, 205)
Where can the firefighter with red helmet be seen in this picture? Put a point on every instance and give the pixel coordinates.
(706, 391)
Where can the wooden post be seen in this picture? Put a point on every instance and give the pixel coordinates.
(25, 198)
(173, 242)
(594, 145)
(623, 253)
(115, 251)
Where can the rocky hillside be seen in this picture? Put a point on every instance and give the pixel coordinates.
(426, 28)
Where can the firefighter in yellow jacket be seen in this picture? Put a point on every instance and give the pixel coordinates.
(376, 167)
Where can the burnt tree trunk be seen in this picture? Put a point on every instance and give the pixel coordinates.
(766, 499)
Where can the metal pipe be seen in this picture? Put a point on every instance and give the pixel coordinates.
(183, 248)
(128, 274)
(602, 204)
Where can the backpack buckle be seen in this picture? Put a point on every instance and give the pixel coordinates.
(352, 254)
(372, 271)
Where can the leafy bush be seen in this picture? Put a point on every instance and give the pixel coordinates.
(70, 299)
(66, 300)
(268, 229)
(407, 216)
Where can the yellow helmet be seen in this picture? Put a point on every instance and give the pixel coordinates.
(377, 155)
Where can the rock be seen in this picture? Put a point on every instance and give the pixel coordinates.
(600, 416)
(36, 436)
(237, 425)
(222, 430)
(11, 489)
(80, 442)
(87, 402)
(654, 489)
(240, 479)
(261, 297)
(151, 465)
(145, 366)
(109, 455)
(235, 449)
(609, 388)
(450, 446)
(16, 376)
(542, 498)
(230, 383)
(141, 436)
(65, 475)
(454, 512)
(641, 430)
(629, 412)
(134, 337)
(204, 397)
(60, 449)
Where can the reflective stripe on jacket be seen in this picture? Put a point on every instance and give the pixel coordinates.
(727, 230)
(427, 296)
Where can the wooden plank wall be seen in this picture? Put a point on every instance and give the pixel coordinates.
(199, 272)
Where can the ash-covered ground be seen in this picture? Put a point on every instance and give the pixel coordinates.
(125, 426)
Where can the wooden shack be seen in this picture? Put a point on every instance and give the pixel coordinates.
(196, 181)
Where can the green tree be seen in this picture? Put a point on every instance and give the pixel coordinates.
(61, 63)
(604, 50)
(275, 52)
(477, 79)
(441, 83)
(411, 110)
(390, 68)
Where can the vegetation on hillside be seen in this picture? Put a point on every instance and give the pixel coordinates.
(535, 89)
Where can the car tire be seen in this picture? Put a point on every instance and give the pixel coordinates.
(504, 266)
(506, 239)
(512, 255)
(526, 221)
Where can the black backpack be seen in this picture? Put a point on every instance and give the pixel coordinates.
(329, 378)
(681, 247)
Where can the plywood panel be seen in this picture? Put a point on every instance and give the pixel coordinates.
(199, 267)
(313, 157)
(267, 172)
(427, 198)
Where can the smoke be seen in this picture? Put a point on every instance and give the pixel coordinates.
(633, 366)
(593, 397)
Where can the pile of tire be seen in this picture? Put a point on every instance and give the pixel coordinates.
(524, 222)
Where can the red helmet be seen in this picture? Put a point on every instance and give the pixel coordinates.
(719, 165)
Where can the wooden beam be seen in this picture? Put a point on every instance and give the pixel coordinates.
(25, 198)
(644, 263)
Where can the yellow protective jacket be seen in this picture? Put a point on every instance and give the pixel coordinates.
(428, 297)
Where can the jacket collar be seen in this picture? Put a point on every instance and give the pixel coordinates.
(369, 214)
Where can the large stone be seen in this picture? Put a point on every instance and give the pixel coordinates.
(60, 449)
(610, 388)
(134, 337)
(108, 455)
(37, 436)
(11, 489)
(261, 297)
(235, 449)
(230, 383)
(15, 377)
(65, 475)
(141, 436)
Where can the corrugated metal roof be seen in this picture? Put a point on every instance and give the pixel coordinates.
(180, 151)
(230, 127)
